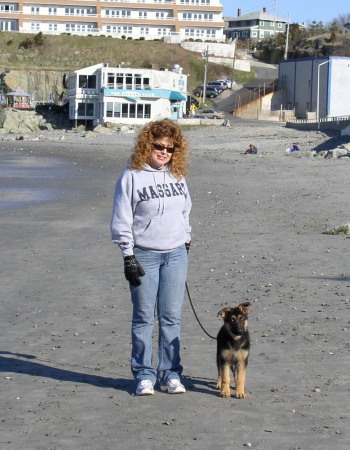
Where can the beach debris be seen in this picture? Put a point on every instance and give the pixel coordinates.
(340, 229)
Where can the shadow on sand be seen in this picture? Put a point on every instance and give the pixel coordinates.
(30, 365)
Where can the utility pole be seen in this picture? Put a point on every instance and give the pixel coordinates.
(287, 38)
(234, 42)
(205, 56)
(274, 22)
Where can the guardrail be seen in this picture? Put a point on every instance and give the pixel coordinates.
(321, 120)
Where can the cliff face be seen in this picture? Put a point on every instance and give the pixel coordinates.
(43, 85)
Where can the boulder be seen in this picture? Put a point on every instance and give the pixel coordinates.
(18, 121)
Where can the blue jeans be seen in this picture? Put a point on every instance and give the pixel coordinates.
(161, 292)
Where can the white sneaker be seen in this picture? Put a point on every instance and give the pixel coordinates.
(174, 386)
(145, 387)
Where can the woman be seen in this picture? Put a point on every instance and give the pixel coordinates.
(150, 223)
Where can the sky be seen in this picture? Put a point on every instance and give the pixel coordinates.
(299, 10)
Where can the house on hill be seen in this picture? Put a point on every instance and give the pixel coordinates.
(256, 25)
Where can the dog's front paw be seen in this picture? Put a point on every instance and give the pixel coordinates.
(225, 393)
(218, 385)
(240, 395)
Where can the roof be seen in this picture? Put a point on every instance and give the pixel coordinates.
(18, 92)
(255, 15)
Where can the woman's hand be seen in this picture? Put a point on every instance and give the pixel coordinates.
(132, 270)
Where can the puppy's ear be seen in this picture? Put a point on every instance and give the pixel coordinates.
(223, 312)
(244, 307)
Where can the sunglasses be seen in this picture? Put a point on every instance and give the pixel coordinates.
(162, 147)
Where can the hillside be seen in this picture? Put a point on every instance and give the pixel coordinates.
(66, 53)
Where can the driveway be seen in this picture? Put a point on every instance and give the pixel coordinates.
(265, 74)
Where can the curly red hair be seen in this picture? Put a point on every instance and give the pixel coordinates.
(178, 165)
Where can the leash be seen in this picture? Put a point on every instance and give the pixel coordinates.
(195, 314)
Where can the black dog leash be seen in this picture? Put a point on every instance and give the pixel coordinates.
(195, 314)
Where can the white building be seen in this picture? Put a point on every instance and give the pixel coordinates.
(316, 87)
(99, 94)
(147, 19)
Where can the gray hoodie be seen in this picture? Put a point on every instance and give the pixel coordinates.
(151, 210)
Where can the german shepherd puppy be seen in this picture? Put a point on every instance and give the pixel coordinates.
(233, 345)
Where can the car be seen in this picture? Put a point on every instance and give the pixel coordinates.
(226, 82)
(210, 114)
(218, 85)
(210, 92)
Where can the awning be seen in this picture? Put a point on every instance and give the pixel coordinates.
(176, 96)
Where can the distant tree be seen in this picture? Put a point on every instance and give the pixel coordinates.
(343, 19)
(334, 27)
(39, 39)
(316, 28)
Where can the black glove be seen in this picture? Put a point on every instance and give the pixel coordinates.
(187, 245)
(133, 270)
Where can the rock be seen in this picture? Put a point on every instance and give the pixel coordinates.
(103, 130)
(18, 121)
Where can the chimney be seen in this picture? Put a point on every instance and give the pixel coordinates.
(239, 12)
(264, 10)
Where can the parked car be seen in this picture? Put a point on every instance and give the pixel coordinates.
(210, 92)
(210, 114)
(226, 82)
(222, 84)
(218, 85)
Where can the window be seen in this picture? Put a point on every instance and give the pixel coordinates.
(87, 81)
(144, 30)
(35, 10)
(120, 80)
(132, 110)
(110, 80)
(52, 26)
(85, 109)
(159, 15)
(53, 11)
(208, 17)
(142, 15)
(162, 31)
(35, 26)
(279, 24)
(143, 111)
(138, 81)
(7, 8)
(128, 80)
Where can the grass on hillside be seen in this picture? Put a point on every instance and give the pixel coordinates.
(68, 53)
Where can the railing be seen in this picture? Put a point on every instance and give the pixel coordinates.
(323, 119)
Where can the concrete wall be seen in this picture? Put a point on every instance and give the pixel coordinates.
(214, 49)
(240, 64)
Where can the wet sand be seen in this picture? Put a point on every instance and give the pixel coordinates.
(258, 223)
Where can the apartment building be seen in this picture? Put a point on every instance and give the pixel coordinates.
(99, 94)
(148, 19)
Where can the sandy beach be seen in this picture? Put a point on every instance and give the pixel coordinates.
(258, 235)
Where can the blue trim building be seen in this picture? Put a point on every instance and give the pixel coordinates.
(100, 94)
